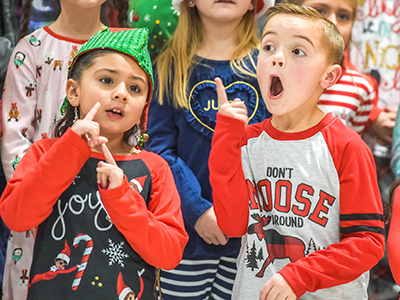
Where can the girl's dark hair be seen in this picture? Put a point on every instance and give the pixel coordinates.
(119, 5)
(26, 17)
(84, 62)
(389, 208)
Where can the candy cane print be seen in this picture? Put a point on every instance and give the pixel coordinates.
(85, 257)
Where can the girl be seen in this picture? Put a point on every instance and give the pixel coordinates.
(33, 94)
(102, 207)
(212, 39)
(354, 97)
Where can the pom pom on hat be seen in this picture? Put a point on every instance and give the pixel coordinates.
(177, 4)
(122, 289)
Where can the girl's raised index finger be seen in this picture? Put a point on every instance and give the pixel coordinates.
(108, 155)
(92, 112)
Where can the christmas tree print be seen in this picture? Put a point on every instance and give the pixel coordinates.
(311, 247)
(156, 39)
(252, 257)
(159, 16)
(260, 255)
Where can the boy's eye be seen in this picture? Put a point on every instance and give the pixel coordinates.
(268, 48)
(134, 89)
(298, 52)
(106, 80)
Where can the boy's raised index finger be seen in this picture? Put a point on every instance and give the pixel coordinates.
(222, 97)
(90, 115)
(108, 155)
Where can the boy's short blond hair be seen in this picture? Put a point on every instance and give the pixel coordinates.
(332, 40)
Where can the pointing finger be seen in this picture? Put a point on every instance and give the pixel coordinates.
(92, 112)
(108, 155)
(222, 97)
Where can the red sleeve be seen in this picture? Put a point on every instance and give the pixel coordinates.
(393, 242)
(157, 232)
(227, 178)
(46, 170)
(375, 110)
(361, 222)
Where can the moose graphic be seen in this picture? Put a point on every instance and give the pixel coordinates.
(278, 246)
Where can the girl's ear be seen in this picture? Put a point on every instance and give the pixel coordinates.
(251, 6)
(191, 3)
(72, 91)
(332, 76)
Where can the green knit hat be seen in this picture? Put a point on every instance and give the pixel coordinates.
(132, 42)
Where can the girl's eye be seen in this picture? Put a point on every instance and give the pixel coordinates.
(134, 89)
(344, 17)
(106, 80)
(268, 48)
(320, 10)
(298, 52)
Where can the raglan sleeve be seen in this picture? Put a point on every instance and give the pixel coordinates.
(46, 170)
(362, 241)
(163, 140)
(18, 106)
(156, 232)
(368, 104)
(230, 193)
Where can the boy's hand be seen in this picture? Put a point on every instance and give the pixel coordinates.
(109, 175)
(207, 227)
(277, 288)
(236, 109)
(90, 130)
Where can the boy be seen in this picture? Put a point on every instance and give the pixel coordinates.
(300, 187)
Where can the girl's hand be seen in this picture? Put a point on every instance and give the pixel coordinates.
(90, 130)
(109, 175)
(277, 288)
(236, 109)
(207, 227)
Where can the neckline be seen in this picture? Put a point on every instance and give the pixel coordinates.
(63, 38)
(301, 135)
(139, 155)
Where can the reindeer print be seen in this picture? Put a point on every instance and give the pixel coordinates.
(278, 246)
(57, 63)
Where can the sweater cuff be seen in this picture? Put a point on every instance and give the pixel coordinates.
(294, 282)
(234, 124)
(77, 141)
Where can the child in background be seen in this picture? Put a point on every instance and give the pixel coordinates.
(292, 185)
(211, 39)
(354, 97)
(33, 93)
(159, 16)
(94, 184)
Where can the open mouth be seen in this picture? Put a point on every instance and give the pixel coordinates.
(276, 86)
(116, 112)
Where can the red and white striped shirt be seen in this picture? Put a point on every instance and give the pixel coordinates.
(351, 99)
